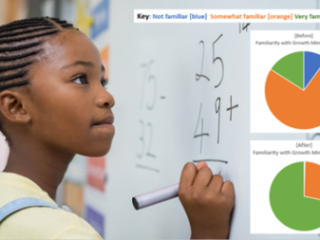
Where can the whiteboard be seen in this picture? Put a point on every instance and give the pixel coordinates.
(162, 104)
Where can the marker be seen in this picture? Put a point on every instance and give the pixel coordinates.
(154, 197)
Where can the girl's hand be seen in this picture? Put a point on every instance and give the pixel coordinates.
(207, 200)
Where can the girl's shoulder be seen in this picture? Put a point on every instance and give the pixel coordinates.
(37, 222)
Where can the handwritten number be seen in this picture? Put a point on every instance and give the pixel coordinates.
(218, 59)
(217, 106)
(141, 139)
(243, 27)
(202, 134)
(148, 78)
(150, 142)
(145, 73)
(153, 79)
(200, 75)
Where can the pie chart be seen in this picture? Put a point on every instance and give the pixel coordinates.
(295, 196)
(292, 90)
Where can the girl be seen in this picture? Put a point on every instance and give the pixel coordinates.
(53, 105)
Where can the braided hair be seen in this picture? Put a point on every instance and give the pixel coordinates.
(21, 43)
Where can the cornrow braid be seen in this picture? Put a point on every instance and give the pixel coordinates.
(21, 44)
(26, 31)
(63, 23)
(20, 27)
(25, 37)
(20, 47)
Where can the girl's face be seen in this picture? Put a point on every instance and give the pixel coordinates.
(70, 108)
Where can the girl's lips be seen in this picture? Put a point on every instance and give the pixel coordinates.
(103, 125)
(106, 121)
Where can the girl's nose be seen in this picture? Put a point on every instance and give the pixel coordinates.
(105, 99)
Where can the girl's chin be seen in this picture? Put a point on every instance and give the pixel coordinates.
(96, 152)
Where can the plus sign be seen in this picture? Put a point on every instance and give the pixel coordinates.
(231, 107)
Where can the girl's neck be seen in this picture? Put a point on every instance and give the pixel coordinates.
(45, 166)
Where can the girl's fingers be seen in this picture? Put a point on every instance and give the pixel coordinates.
(188, 175)
(228, 189)
(216, 183)
(203, 178)
(201, 164)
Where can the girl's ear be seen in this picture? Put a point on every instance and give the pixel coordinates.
(11, 107)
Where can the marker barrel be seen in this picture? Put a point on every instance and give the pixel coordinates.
(154, 197)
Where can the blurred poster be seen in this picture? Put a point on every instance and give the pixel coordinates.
(68, 11)
(77, 170)
(48, 8)
(104, 53)
(101, 18)
(96, 176)
(84, 21)
(95, 219)
(73, 197)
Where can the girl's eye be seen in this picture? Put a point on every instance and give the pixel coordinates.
(81, 79)
(104, 82)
